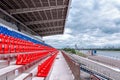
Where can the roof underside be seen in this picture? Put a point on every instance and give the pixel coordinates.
(45, 17)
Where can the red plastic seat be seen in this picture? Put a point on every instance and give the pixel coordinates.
(6, 44)
(1, 43)
(27, 58)
(45, 67)
(6, 48)
(19, 59)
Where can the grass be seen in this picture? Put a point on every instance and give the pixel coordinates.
(81, 54)
(73, 51)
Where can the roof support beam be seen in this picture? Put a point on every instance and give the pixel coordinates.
(17, 20)
(43, 21)
(47, 28)
(52, 34)
(49, 32)
(26, 10)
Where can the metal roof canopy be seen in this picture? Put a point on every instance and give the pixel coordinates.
(45, 17)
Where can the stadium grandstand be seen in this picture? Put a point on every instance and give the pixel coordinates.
(22, 55)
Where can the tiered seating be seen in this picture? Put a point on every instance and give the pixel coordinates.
(23, 59)
(45, 67)
(9, 44)
(13, 42)
(29, 52)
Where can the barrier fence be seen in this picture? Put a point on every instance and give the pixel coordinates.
(74, 66)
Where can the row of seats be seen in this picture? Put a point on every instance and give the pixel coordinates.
(9, 44)
(44, 68)
(13, 42)
(23, 59)
(16, 34)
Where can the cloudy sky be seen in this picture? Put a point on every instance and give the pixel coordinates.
(90, 23)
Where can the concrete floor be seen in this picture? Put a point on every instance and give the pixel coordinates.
(60, 69)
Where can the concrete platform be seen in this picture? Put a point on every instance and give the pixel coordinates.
(60, 69)
(8, 69)
(24, 76)
(38, 78)
(3, 63)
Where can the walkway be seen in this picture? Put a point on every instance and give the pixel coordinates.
(60, 70)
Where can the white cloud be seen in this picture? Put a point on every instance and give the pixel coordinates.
(63, 37)
(91, 23)
(68, 30)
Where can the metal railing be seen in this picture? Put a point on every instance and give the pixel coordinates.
(98, 68)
